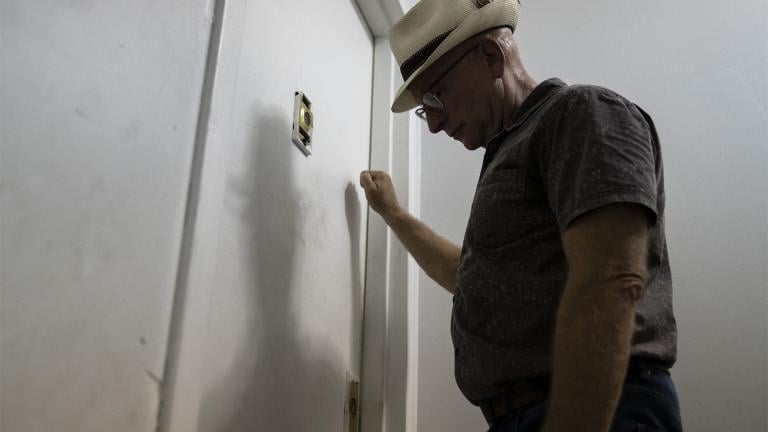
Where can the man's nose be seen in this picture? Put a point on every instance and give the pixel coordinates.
(435, 121)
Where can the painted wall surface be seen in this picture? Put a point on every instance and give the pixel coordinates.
(701, 70)
(448, 177)
(97, 125)
(284, 323)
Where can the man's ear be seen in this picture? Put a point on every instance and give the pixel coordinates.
(492, 56)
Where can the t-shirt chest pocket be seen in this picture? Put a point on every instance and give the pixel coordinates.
(504, 208)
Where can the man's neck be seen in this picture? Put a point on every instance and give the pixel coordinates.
(522, 87)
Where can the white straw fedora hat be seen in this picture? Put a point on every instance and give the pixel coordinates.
(433, 27)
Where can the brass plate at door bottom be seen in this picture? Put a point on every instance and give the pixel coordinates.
(352, 408)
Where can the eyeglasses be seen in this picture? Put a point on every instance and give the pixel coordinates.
(430, 101)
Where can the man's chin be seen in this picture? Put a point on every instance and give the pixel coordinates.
(470, 145)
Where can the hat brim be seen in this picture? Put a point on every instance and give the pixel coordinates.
(498, 13)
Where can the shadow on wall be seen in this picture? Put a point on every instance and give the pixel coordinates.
(352, 208)
(279, 379)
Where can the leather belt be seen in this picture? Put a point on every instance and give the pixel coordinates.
(516, 396)
(523, 393)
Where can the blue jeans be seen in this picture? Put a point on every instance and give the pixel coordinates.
(648, 403)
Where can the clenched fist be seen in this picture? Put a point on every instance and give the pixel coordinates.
(380, 192)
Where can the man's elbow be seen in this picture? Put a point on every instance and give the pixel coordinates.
(631, 289)
(626, 289)
(448, 281)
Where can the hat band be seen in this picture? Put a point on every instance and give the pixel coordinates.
(419, 57)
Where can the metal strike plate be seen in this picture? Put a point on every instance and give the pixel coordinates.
(303, 121)
(352, 408)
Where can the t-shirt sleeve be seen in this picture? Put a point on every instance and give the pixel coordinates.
(601, 150)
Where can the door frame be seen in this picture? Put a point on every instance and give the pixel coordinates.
(389, 397)
(390, 327)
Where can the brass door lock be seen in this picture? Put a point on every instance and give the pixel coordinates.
(352, 408)
(303, 120)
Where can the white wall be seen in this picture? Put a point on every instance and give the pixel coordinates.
(449, 174)
(701, 69)
(97, 129)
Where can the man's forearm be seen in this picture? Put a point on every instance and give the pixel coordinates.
(591, 351)
(438, 257)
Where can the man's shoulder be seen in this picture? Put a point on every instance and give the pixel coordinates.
(567, 99)
(579, 100)
(589, 93)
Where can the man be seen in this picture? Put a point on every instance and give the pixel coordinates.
(562, 317)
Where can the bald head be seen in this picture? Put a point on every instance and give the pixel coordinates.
(503, 35)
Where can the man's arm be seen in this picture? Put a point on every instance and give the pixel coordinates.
(606, 251)
(438, 257)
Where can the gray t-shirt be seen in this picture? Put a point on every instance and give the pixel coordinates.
(570, 149)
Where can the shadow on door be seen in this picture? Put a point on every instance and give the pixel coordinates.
(279, 378)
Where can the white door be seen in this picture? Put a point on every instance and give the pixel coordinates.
(285, 318)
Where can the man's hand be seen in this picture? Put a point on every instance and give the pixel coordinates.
(437, 256)
(380, 192)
